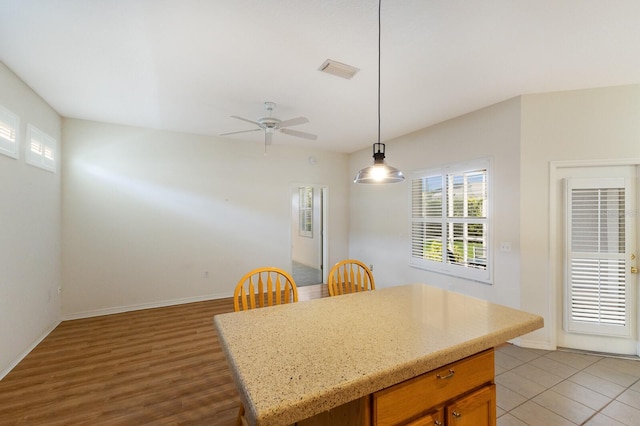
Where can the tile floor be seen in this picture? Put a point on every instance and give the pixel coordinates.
(537, 387)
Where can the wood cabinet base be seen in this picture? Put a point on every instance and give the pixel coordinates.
(461, 394)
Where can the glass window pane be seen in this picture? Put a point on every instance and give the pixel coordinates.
(426, 240)
(467, 194)
(467, 244)
(427, 197)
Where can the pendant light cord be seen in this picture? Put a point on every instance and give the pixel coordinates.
(379, 50)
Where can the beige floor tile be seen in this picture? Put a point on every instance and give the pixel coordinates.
(509, 420)
(558, 388)
(500, 370)
(630, 397)
(597, 384)
(565, 407)
(534, 414)
(622, 413)
(523, 354)
(506, 361)
(519, 384)
(584, 396)
(573, 359)
(618, 377)
(602, 420)
(627, 366)
(508, 399)
(500, 411)
(537, 375)
(554, 367)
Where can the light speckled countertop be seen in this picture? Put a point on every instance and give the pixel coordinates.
(293, 361)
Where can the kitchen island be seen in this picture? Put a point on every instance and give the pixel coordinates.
(330, 357)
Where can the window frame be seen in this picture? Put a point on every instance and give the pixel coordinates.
(40, 160)
(482, 275)
(14, 152)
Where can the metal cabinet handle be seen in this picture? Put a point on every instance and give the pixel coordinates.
(437, 423)
(456, 414)
(448, 376)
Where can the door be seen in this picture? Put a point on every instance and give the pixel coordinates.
(476, 409)
(599, 284)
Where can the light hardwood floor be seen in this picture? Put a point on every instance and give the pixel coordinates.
(156, 366)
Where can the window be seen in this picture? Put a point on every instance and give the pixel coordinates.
(450, 221)
(305, 210)
(41, 149)
(9, 123)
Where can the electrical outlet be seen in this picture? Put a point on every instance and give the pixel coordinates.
(505, 246)
(60, 290)
(206, 275)
(371, 267)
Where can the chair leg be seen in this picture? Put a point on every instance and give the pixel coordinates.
(239, 421)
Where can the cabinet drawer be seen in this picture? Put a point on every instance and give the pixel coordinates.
(408, 399)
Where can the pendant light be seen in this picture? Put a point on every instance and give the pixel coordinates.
(379, 171)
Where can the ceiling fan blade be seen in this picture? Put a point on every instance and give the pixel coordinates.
(294, 121)
(245, 119)
(268, 136)
(241, 131)
(299, 134)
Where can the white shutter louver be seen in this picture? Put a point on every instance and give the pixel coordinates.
(41, 149)
(597, 284)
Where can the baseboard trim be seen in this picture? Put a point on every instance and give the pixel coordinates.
(533, 344)
(141, 306)
(31, 347)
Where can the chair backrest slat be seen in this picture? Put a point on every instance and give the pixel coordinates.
(266, 291)
(350, 276)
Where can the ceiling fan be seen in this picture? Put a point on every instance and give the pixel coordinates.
(272, 124)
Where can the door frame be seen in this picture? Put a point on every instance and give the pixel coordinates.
(555, 281)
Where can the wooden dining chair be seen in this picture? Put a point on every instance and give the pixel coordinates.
(350, 276)
(264, 287)
(259, 288)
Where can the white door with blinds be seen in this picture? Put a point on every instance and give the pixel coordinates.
(600, 306)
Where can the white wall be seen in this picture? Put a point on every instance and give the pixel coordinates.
(594, 124)
(30, 236)
(522, 136)
(379, 215)
(147, 213)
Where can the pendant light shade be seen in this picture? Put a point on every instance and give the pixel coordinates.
(380, 171)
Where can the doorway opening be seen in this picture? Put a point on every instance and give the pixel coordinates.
(308, 234)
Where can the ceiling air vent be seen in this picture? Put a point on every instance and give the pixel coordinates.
(338, 68)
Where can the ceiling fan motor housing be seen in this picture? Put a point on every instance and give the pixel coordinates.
(269, 123)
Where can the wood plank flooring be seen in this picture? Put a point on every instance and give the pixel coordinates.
(156, 366)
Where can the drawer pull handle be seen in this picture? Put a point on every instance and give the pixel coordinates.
(437, 423)
(456, 414)
(448, 376)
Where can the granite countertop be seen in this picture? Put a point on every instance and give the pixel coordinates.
(293, 361)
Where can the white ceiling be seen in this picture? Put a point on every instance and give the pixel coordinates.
(188, 65)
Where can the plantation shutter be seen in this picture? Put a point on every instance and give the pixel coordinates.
(596, 281)
(427, 218)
